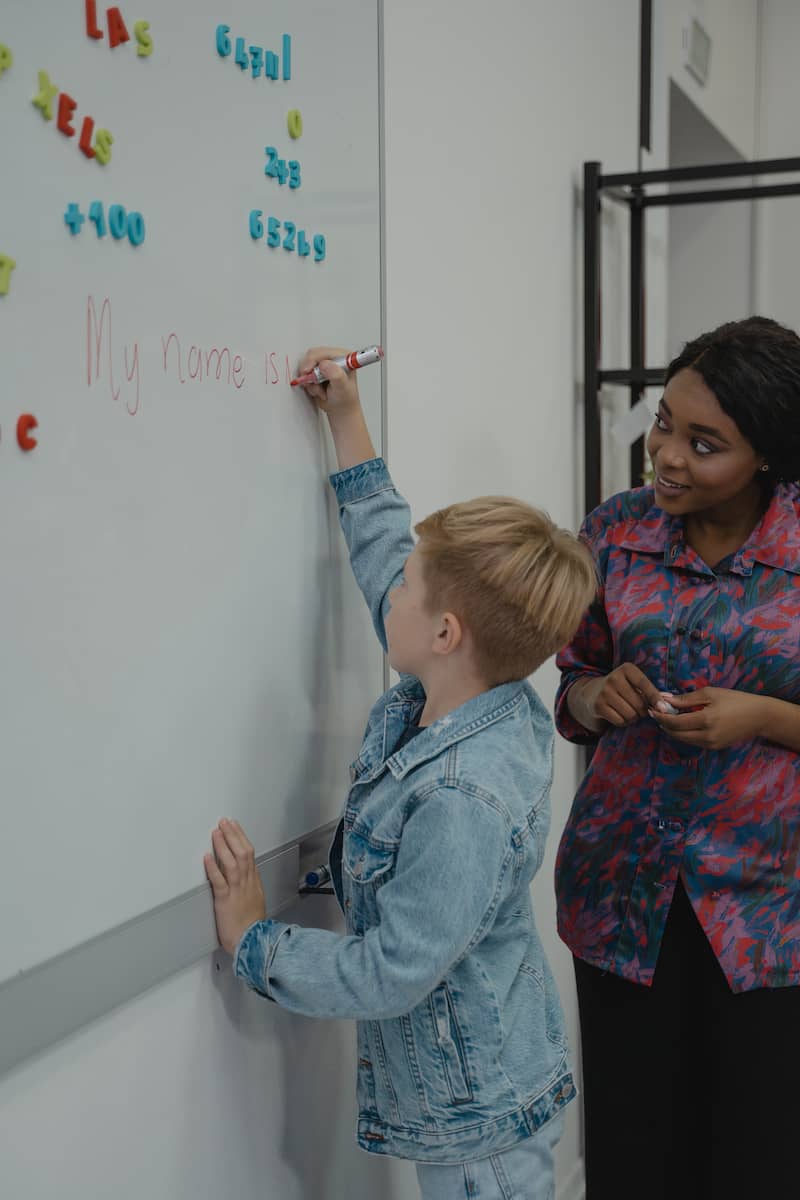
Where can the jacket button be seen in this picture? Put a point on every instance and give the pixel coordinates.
(681, 630)
(695, 635)
(675, 826)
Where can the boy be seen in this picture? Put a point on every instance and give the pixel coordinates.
(462, 1058)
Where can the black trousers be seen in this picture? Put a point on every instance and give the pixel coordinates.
(690, 1092)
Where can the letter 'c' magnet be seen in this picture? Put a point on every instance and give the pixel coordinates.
(24, 426)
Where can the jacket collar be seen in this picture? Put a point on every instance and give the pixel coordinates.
(775, 541)
(476, 714)
(404, 704)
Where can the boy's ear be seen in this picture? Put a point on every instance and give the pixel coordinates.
(449, 634)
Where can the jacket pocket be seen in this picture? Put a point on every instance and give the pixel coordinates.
(451, 1045)
(364, 862)
(367, 868)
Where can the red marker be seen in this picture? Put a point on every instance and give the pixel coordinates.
(350, 362)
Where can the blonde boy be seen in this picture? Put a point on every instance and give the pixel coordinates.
(462, 1058)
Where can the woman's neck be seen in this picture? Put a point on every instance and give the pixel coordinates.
(715, 533)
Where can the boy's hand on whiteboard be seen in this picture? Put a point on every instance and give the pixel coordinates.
(235, 882)
(340, 394)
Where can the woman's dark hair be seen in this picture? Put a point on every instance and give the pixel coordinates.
(753, 369)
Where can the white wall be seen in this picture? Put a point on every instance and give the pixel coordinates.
(198, 1089)
(777, 243)
(728, 98)
(710, 273)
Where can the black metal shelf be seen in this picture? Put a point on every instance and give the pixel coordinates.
(630, 189)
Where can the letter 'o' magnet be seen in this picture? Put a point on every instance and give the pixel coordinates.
(24, 426)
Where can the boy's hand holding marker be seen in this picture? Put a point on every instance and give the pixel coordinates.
(338, 398)
(324, 371)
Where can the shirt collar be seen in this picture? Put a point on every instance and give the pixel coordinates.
(775, 541)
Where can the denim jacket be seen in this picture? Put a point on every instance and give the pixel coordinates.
(461, 1043)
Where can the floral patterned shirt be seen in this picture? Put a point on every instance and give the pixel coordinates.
(650, 807)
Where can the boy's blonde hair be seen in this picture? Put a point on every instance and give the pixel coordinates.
(518, 582)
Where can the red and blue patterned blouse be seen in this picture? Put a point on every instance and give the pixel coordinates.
(649, 806)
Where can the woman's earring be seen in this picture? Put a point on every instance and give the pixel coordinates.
(764, 467)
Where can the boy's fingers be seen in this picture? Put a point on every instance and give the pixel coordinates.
(316, 354)
(214, 875)
(248, 845)
(237, 843)
(224, 855)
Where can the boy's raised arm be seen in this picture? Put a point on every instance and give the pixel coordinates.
(375, 518)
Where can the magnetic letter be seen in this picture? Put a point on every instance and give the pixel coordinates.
(287, 56)
(47, 92)
(6, 267)
(86, 137)
(24, 426)
(116, 28)
(144, 46)
(91, 20)
(6, 58)
(66, 107)
(102, 146)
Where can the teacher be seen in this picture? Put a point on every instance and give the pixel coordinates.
(678, 873)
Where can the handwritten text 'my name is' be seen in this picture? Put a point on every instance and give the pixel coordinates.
(197, 364)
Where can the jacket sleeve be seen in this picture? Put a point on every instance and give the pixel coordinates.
(376, 521)
(441, 900)
(591, 651)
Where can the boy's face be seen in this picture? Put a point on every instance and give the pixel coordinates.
(410, 628)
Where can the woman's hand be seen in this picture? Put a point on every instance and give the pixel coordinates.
(235, 882)
(714, 718)
(623, 696)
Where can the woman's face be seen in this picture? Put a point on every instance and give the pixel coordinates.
(700, 459)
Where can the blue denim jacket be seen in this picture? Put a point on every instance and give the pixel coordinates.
(461, 1043)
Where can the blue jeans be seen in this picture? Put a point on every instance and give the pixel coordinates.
(525, 1172)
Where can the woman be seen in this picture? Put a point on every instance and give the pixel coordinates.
(678, 873)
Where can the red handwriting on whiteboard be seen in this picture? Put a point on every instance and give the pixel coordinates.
(100, 337)
(215, 363)
(271, 372)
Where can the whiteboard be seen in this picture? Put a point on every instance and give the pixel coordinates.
(182, 638)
